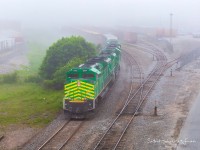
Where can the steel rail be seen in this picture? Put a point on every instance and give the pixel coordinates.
(49, 139)
(69, 138)
(58, 131)
(140, 72)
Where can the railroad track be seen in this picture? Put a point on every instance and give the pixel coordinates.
(62, 136)
(113, 138)
(137, 74)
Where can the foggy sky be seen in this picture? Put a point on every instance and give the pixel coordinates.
(150, 13)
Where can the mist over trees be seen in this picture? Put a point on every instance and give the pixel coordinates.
(63, 55)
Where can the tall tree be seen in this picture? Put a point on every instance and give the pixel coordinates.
(63, 51)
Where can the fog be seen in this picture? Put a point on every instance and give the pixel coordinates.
(146, 13)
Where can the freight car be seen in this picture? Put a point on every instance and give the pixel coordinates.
(127, 36)
(89, 82)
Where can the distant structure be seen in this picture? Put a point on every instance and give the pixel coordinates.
(10, 34)
(196, 35)
(127, 36)
(162, 32)
(6, 43)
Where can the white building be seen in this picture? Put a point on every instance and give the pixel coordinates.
(6, 43)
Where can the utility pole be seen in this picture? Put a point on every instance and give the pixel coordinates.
(171, 15)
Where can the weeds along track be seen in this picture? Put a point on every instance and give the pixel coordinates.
(62, 136)
(113, 138)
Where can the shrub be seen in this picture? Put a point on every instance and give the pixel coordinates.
(34, 79)
(9, 78)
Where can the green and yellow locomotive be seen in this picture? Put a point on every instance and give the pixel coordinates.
(88, 83)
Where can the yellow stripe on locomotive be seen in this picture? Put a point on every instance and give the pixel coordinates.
(79, 90)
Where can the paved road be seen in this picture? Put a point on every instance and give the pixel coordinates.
(190, 134)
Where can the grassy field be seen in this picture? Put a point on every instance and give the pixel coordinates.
(35, 56)
(29, 103)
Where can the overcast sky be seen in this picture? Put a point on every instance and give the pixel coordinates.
(186, 13)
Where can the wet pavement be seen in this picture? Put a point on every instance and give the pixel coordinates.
(189, 138)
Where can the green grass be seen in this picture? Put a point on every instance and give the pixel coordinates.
(37, 52)
(35, 56)
(28, 104)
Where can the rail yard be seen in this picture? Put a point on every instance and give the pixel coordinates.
(144, 109)
(99, 75)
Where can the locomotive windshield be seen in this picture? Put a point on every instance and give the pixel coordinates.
(73, 76)
(88, 76)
